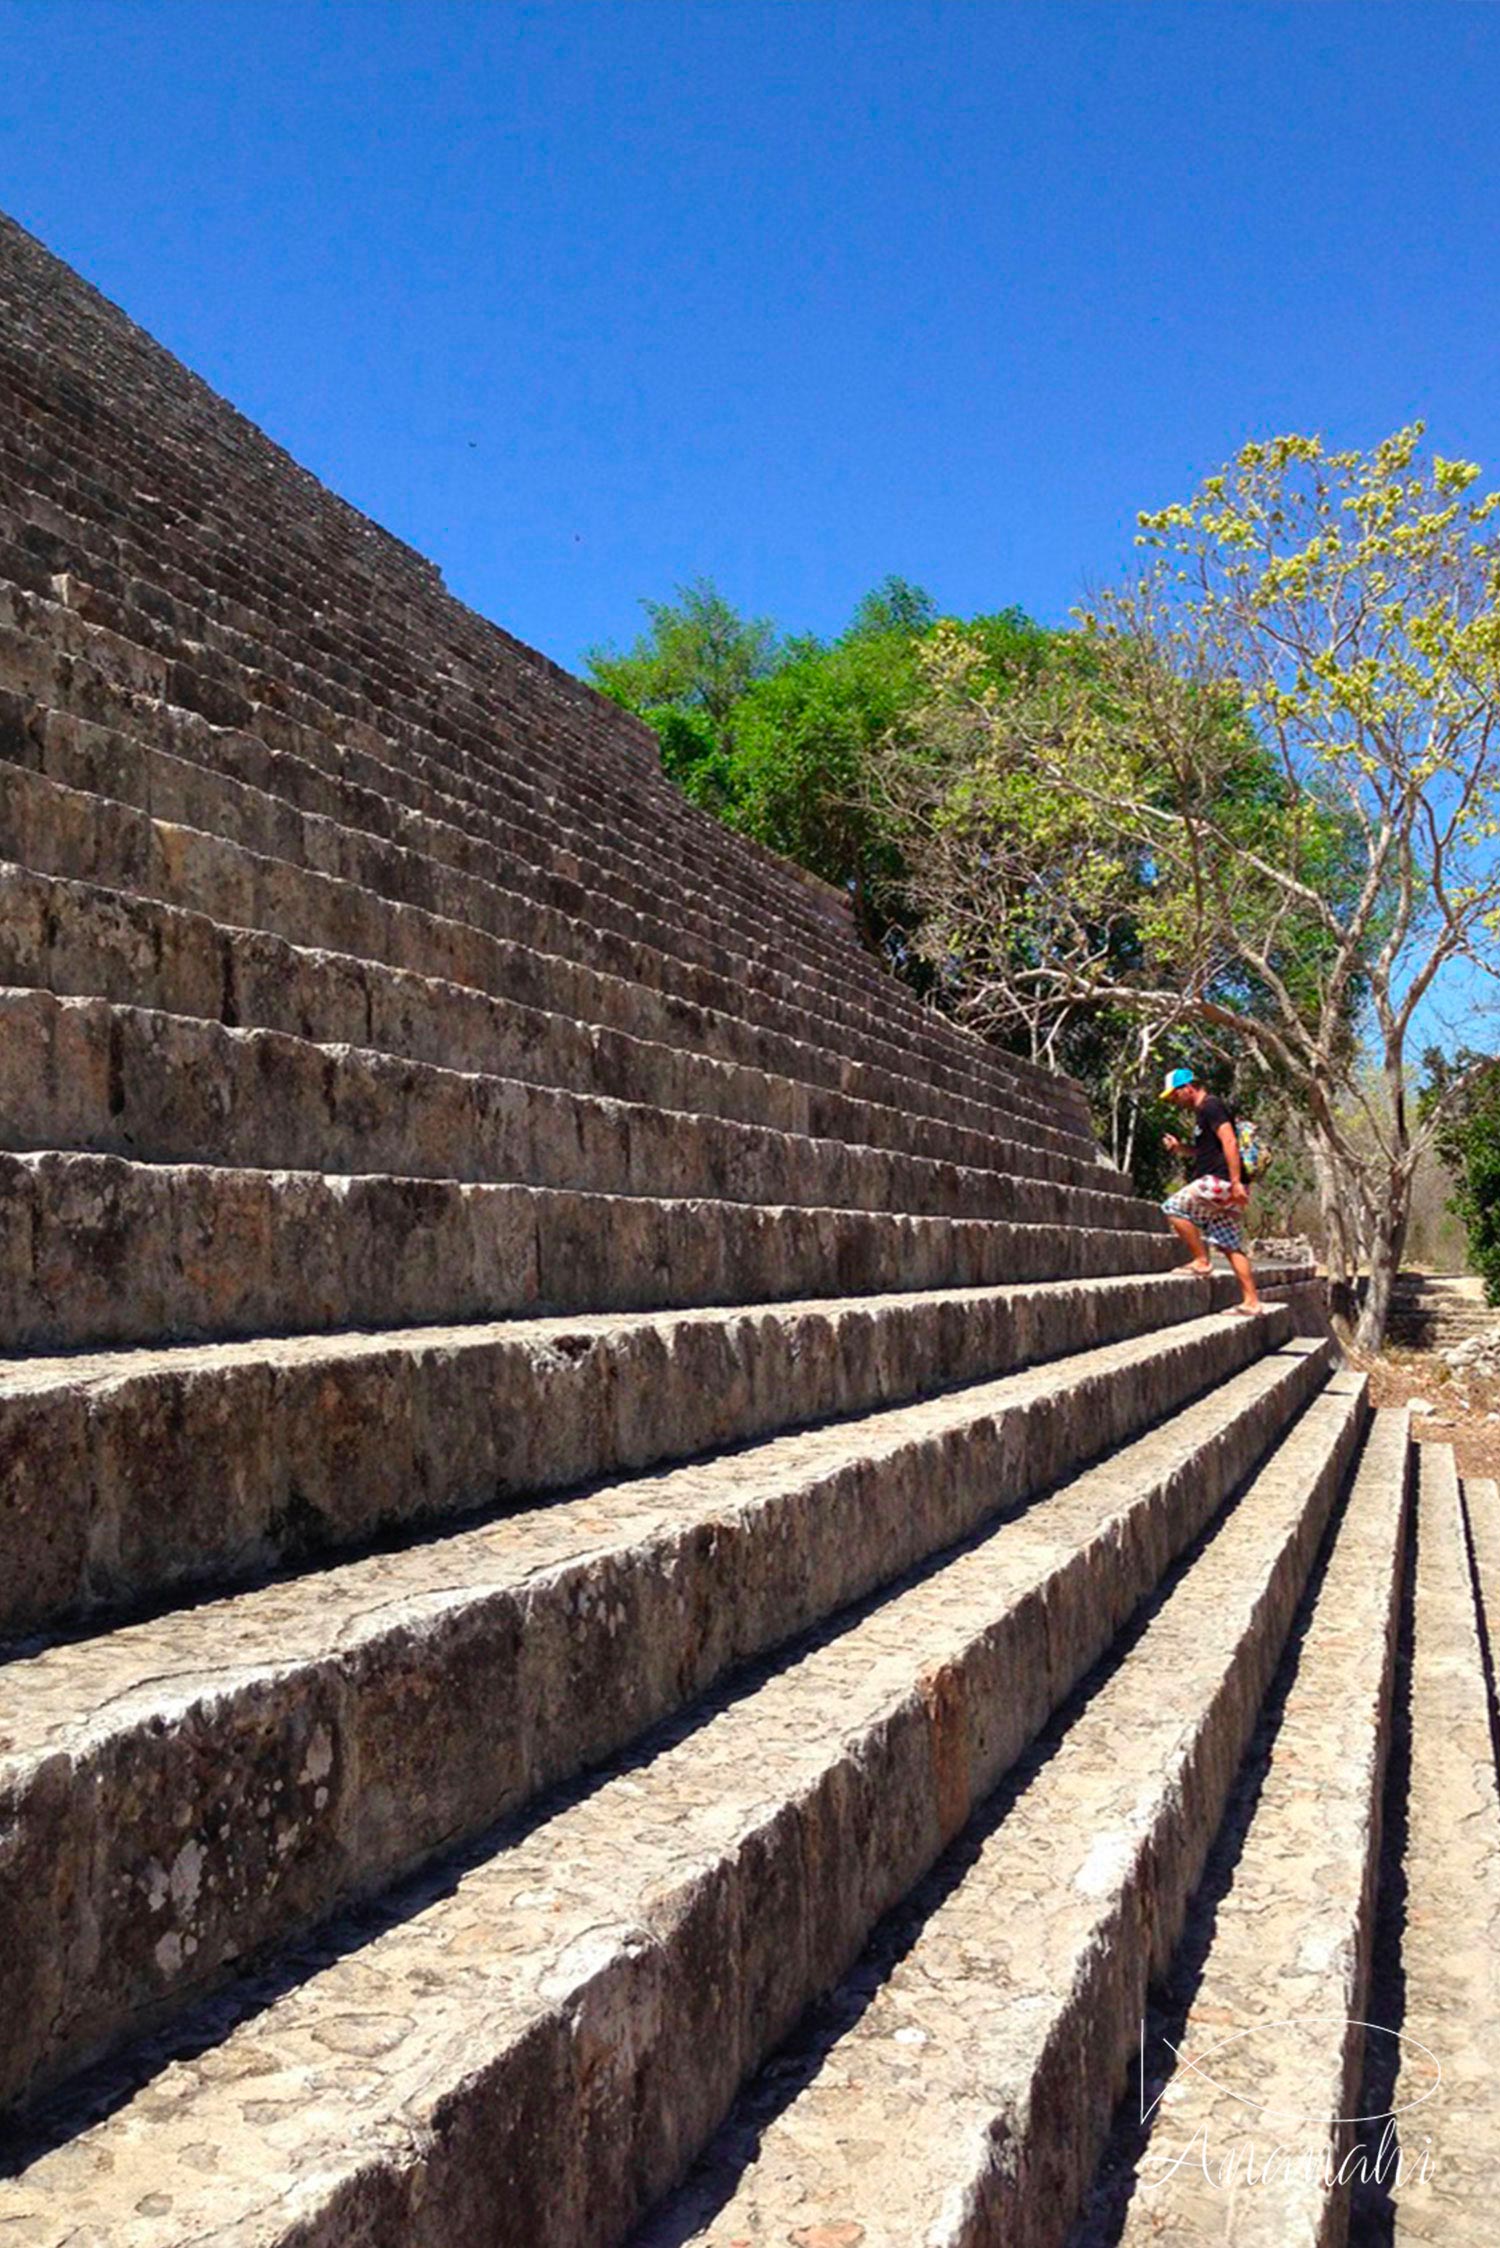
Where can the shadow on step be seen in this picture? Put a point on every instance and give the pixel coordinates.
(788, 2073)
(101, 2089)
(1372, 2212)
(307, 1540)
(1107, 2207)
(1487, 1622)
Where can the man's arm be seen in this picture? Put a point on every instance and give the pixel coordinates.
(1229, 1141)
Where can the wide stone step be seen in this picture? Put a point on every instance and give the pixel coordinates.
(1481, 1508)
(555, 1024)
(696, 840)
(340, 821)
(529, 2046)
(63, 737)
(104, 761)
(1449, 1973)
(364, 1716)
(65, 564)
(101, 1251)
(1251, 2101)
(134, 1472)
(92, 1076)
(1439, 1331)
(62, 831)
(638, 863)
(701, 836)
(962, 2083)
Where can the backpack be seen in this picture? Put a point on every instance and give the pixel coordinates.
(1254, 1153)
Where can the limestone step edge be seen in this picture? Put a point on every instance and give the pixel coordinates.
(1272, 2049)
(627, 817)
(99, 1252)
(135, 1475)
(1450, 1941)
(730, 859)
(282, 835)
(164, 784)
(63, 831)
(554, 1023)
(97, 1077)
(961, 2096)
(593, 1990)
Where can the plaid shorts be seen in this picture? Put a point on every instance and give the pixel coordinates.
(1205, 1203)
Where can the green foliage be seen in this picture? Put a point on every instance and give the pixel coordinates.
(775, 736)
(1042, 913)
(803, 738)
(895, 606)
(698, 659)
(1468, 1141)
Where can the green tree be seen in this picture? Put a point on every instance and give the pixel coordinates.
(804, 738)
(1036, 914)
(1263, 801)
(1465, 1094)
(774, 736)
(685, 676)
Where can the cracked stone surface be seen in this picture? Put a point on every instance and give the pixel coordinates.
(131, 1472)
(1450, 1946)
(363, 1715)
(1254, 2125)
(967, 2099)
(651, 1940)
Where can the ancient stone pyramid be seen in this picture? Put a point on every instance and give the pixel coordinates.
(588, 1490)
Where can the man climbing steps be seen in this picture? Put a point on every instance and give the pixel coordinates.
(1204, 1212)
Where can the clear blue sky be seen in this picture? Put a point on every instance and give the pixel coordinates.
(589, 299)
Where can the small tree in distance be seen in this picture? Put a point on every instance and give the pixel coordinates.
(1256, 810)
(773, 735)
(688, 671)
(1468, 1142)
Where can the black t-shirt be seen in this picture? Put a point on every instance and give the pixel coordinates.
(1206, 1157)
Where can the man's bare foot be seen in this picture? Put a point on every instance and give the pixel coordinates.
(1246, 1311)
(1195, 1266)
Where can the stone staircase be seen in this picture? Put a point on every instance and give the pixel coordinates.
(1434, 1311)
(638, 1605)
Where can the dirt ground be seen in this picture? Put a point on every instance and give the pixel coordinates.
(1466, 1409)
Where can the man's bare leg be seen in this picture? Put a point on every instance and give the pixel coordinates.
(1239, 1265)
(1193, 1241)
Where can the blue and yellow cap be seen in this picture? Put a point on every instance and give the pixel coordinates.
(1176, 1079)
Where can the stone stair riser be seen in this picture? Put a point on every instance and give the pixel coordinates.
(1293, 1938)
(183, 793)
(276, 831)
(98, 1251)
(80, 941)
(727, 870)
(1448, 1977)
(388, 783)
(206, 791)
(61, 831)
(1019, 2041)
(696, 1974)
(91, 1076)
(437, 1714)
(123, 1481)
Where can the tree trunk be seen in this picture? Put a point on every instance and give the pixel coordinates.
(1390, 1217)
(1337, 1202)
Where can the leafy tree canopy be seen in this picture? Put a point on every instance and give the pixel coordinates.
(774, 734)
(697, 658)
(1257, 800)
